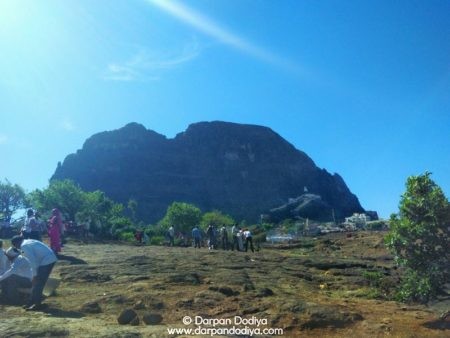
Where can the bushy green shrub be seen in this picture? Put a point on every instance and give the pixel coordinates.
(126, 236)
(157, 240)
(260, 237)
(419, 238)
(416, 287)
(155, 230)
(373, 277)
(376, 225)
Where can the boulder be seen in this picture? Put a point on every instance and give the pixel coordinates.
(127, 316)
(152, 318)
(91, 307)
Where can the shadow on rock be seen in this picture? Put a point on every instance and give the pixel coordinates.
(54, 312)
(440, 324)
(72, 260)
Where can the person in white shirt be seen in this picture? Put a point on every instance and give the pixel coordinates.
(19, 275)
(31, 228)
(42, 260)
(248, 239)
(4, 262)
(171, 234)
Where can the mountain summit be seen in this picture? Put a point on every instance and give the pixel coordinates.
(243, 170)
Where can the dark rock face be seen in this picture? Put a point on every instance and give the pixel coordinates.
(242, 170)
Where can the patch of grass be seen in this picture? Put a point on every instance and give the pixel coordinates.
(373, 277)
(368, 293)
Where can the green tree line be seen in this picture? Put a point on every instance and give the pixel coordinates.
(101, 215)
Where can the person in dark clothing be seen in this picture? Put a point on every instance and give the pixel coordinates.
(197, 236)
(211, 233)
(224, 237)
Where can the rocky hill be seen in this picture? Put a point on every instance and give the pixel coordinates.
(242, 170)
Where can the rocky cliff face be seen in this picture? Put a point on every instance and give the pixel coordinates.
(242, 170)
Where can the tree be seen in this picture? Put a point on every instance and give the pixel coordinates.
(183, 216)
(64, 195)
(12, 198)
(103, 215)
(132, 207)
(419, 238)
(216, 218)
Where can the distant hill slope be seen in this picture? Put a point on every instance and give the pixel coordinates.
(242, 170)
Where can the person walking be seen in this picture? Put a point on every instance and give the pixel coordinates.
(197, 236)
(42, 260)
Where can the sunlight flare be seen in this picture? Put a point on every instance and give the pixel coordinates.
(209, 27)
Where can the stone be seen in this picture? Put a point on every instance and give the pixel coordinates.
(152, 318)
(91, 307)
(135, 321)
(225, 290)
(265, 292)
(126, 316)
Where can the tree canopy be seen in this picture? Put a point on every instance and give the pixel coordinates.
(64, 195)
(216, 218)
(103, 215)
(12, 198)
(183, 216)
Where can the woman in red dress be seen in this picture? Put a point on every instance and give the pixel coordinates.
(54, 231)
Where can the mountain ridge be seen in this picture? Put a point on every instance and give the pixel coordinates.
(241, 169)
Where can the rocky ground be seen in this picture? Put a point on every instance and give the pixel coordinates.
(317, 288)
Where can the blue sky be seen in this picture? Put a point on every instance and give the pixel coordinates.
(363, 87)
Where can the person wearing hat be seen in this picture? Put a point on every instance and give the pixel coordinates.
(42, 260)
(19, 275)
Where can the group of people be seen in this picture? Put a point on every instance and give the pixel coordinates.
(242, 239)
(33, 228)
(26, 264)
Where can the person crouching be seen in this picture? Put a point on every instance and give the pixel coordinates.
(18, 276)
(42, 259)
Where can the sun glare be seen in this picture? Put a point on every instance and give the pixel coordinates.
(13, 14)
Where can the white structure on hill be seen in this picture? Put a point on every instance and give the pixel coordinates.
(359, 220)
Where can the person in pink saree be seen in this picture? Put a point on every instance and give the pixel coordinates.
(54, 231)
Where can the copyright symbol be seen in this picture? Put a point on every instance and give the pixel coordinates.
(187, 320)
